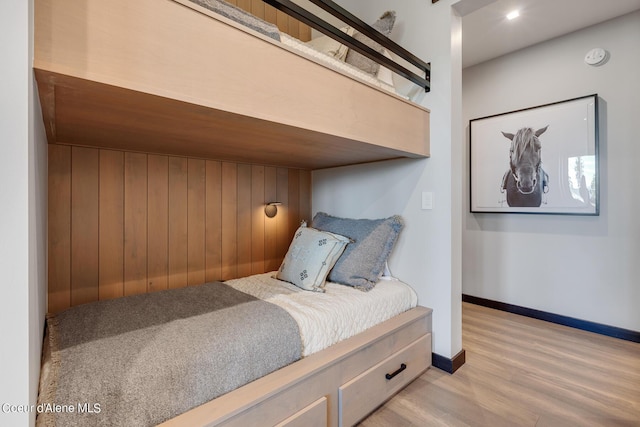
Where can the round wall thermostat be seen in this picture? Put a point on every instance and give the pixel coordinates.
(597, 56)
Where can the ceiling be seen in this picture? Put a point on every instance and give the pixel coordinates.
(487, 33)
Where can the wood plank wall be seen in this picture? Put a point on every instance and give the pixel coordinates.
(123, 223)
(284, 22)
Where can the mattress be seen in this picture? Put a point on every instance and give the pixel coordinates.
(328, 61)
(321, 319)
(337, 314)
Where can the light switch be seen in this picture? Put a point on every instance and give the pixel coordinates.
(427, 200)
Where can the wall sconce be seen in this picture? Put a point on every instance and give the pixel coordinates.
(271, 209)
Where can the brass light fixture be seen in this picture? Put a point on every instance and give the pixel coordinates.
(271, 209)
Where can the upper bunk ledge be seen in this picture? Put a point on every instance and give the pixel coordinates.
(160, 76)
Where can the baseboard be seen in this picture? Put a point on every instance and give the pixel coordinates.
(598, 328)
(446, 364)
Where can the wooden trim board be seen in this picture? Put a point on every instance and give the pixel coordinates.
(585, 325)
(449, 365)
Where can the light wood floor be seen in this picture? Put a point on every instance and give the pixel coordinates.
(524, 372)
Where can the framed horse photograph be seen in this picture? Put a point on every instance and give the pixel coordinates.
(541, 160)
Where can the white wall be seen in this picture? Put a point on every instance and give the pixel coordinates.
(582, 267)
(427, 255)
(23, 170)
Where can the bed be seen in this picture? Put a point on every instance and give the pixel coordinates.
(172, 77)
(108, 368)
(324, 340)
(169, 128)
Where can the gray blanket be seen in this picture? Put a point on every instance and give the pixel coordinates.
(140, 360)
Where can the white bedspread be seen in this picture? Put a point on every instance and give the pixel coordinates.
(327, 318)
(333, 63)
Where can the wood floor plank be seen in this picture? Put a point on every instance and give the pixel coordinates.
(196, 182)
(178, 223)
(229, 201)
(213, 219)
(158, 222)
(111, 225)
(135, 223)
(524, 372)
(257, 218)
(85, 184)
(59, 228)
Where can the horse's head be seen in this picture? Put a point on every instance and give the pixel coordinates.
(525, 157)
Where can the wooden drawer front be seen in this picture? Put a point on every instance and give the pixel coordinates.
(314, 415)
(370, 389)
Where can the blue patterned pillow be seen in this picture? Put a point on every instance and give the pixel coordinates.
(311, 256)
(363, 260)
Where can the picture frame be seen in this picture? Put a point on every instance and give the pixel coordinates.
(538, 160)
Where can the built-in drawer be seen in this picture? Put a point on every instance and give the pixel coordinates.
(368, 390)
(314, 415)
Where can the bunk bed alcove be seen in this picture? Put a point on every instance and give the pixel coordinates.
(154, 110)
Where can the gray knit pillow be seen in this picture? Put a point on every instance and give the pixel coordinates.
(363, 260)
(384, 25)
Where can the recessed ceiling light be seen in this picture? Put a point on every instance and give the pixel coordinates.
(513, 15)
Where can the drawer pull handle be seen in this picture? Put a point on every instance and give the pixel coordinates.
(393, 374)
